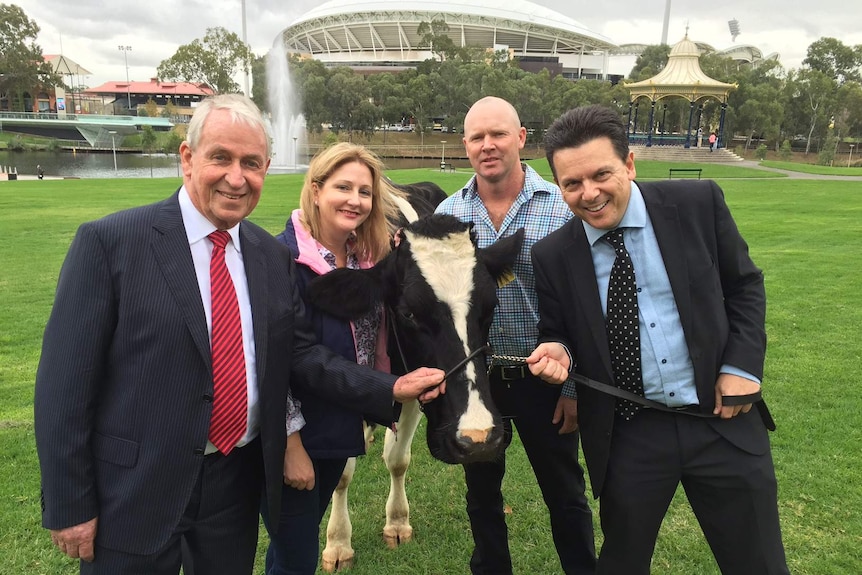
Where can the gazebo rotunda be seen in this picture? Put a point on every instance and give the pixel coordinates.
(681, 77)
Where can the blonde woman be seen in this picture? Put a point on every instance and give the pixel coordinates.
(341, 222)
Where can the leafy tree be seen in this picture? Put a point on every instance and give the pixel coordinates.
(173, 141)
(22, 67)
(835, 59)
(151, 109)
(785, 153)
(812, 93)
(346, 91)
(650, 62)
(259, 86)
(849, 106)
(148, 139)
(310, 78)
(212, 61)
(170, 110)
(435, 35)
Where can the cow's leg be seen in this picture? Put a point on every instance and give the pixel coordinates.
(396, 454)
(338, 553)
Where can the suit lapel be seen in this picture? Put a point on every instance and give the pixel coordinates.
(257, 277)
(171, 249)
(668, 233)
(582, 275)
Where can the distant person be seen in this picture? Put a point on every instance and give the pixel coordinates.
(503, 196)
(712, 140)
(652, 290)
(40, 173)
(341, 223)
(161, 392)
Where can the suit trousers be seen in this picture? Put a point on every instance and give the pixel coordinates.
(529, 403)
(732, 492)
(295, 548)
(217, 533)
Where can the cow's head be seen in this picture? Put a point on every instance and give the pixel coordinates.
(440, 292)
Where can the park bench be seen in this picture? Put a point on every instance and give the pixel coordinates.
(691, 171)
(446, 167)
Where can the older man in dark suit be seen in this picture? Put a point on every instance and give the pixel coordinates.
(166, 362)
(652, 292)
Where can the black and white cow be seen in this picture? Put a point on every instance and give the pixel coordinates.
(439, 292)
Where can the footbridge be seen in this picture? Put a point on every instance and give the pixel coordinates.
(97, 130)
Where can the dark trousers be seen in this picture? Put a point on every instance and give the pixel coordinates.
(732, 493)
(530, 404)
(295, 548)
(217, 533)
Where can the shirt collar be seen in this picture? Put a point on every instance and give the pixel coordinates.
(197, 226)
(635, 216)
(533, 183)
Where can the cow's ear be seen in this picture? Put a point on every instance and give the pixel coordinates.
(499, 257)
(347, 294)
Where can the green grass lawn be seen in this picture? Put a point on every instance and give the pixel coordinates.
(837, 170)
(804, 234)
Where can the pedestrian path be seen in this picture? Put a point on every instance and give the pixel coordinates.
(798, 175)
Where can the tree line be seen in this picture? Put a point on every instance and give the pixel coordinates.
(815, 106)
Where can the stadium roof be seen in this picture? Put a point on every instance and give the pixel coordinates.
(372, 26)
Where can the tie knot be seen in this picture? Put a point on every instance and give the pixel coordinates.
(615, 238)
(220, 238)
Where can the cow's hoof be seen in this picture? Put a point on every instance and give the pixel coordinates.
(395, 536)
(333, 562)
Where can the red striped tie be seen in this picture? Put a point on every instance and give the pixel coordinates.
(230, 399)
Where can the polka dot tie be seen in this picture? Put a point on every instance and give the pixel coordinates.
(622, 325)
(230, 395)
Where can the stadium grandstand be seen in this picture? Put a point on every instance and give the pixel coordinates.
(382, 35)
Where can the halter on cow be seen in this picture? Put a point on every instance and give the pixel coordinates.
(439, 291)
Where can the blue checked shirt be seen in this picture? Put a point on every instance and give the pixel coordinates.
(539, 209)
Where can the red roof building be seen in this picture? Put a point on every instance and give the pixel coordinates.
(127, 96)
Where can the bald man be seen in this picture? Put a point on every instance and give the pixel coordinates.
(503, 196)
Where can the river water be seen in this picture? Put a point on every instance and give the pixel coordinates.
(101, 165)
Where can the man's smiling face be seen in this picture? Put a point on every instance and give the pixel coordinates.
(595, 181)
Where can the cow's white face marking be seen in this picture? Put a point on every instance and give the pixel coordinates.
(447, 265)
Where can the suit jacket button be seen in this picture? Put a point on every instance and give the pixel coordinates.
(207, 397)
(199, 451)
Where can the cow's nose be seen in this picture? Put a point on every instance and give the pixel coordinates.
(475, 435)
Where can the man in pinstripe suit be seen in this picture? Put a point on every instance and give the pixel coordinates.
(124, 391)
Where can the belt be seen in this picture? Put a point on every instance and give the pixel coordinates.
(509, 372)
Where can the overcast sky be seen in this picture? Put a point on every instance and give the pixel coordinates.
(89, 31)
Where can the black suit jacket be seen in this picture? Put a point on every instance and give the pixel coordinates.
(718, 290)
(124, 387)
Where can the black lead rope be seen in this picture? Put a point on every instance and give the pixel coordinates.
(466, 360)
(460, 365)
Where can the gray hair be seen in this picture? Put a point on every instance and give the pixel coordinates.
(241, 109)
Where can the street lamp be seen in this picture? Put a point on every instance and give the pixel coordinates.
(125, 50)
(443, 156)
(850, 157)
(114, 147)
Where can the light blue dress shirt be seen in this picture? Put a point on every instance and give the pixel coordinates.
(668, 373)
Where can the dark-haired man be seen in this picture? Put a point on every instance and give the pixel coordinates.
(652, 291)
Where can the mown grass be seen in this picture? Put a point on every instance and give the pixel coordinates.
(803, 233)
(837, 170)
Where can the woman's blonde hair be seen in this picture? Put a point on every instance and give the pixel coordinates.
(372, 236)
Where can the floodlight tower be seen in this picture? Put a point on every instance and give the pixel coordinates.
(666, 22)
(733, 25)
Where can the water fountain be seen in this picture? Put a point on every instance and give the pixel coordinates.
(287, 124)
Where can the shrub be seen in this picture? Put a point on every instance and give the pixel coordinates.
(785, 153)
(16, 144)
(760, 152)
